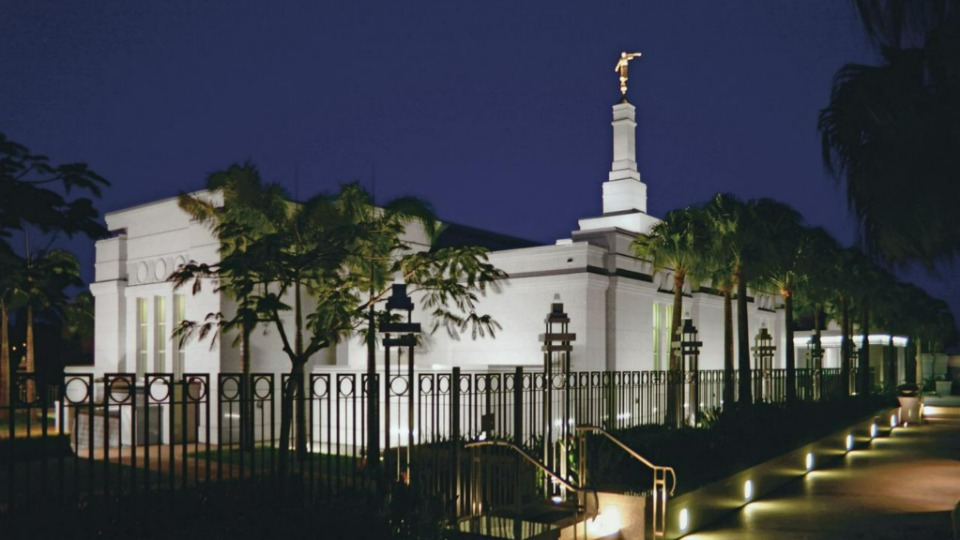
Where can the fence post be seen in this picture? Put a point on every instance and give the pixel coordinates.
(455, 438)
(518, 406)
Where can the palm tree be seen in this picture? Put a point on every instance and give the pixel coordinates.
(785, 270)
(890, 131)
(744, 238)
(679, 242)
(10, 267)
(43, 283)
(723, 220)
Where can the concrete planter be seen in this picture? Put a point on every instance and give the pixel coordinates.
(909, 408)
(697, 509)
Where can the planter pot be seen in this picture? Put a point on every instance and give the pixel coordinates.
(909, 408)
(944, 387)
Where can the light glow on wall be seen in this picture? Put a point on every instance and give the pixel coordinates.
(684, 520)
(607, 523)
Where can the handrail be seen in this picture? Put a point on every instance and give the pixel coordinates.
(528, 457)
(634, 454)
(556, 477)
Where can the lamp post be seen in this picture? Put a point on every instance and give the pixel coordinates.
(557, 345)
(399, 301)
(815, 362)
(688, 348)
(763, 358)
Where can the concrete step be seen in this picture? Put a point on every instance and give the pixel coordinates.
(939, 411)
(488, 527)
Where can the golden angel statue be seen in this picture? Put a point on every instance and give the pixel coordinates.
(622, 65)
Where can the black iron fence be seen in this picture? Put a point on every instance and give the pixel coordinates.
(123, 434)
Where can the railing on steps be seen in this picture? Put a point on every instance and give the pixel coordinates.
(584, 510)
(660, 474)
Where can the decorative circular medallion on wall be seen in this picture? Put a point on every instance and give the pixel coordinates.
(160, 270)
(141, 272)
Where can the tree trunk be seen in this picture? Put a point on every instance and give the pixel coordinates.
(864, 359)
(844, 348)
(728, 367)
(675, 377)
(4, 355)
(791, 359)
(298, 382)
(246, 396)
(743, 343)
(31, 362)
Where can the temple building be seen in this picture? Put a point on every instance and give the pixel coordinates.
(619, 309)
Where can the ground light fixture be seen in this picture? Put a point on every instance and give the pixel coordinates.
(606, 523)
(748, 490)
(873, 430)
(893, 421)
(683, 520)
(849, 442)
(809, 461)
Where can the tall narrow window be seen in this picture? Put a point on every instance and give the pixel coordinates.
(160, 334)
(657, 336)
(667, 337)
(142, 329)
(179, 315)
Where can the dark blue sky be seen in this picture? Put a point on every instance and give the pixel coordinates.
(498, 112)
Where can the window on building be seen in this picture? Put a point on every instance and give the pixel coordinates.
(160, 334)
(179, 315)
(657, 335)
(142, 336)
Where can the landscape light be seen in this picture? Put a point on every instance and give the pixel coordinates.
(748, 490)
(893, 421)
(809, 461)
(684, 520)
(849, 442)
(873, 430)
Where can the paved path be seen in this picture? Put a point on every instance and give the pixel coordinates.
(903, 486)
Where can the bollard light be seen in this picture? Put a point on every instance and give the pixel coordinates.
(684, 520)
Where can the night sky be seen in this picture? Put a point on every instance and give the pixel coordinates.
(498, 112)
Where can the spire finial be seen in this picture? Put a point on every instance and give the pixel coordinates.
(622, 64)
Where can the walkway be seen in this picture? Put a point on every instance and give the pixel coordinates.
(903, 486)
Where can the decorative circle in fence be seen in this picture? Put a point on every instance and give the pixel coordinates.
(399, 385)
(155, 385)
(556, 380)
(229, 388)
(76, 390)
(443, 384)
(464, 384)
(426, 383)
(196, 387)
(481, 382)
(346, 385)
(262, 387)
(494, 382)
(118, 389)
(320, 386)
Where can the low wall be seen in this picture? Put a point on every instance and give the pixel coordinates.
(697, 509)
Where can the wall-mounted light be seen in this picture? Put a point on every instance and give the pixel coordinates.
(893, 420)
(684, 520)
(809, 461)
(849, 442)
(748, 490)
(873, 430)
